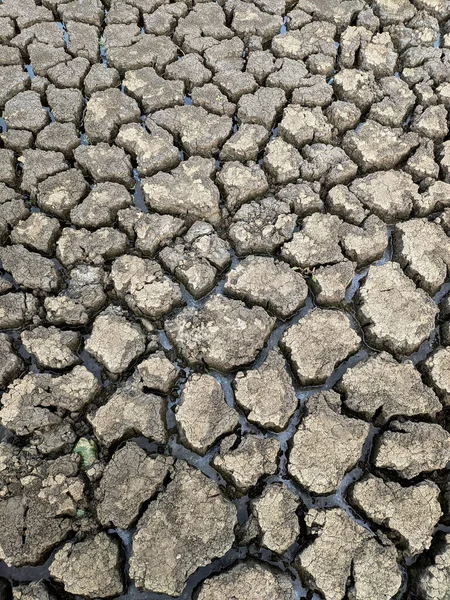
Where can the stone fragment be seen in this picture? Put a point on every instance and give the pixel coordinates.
(153, 153)
(437, 370)
(396, 315)
(291, 77)
(149, 51)
(77, 246)
(211, 99)
(301, 125)
(152, 91)
(313, 42)
(431, 122)
(390, 195)
(261, 107)
(37, 165)
(365, 244)
(197, 258)
(224, 334)
(202, 413)
(343, 115)
(190, 70)
(318, 343)
(7, 167)
(147, 231)
(66, 104)
(59, 137)
(10, 364)
(25, 111)
(60, 193)
(17, 309)
(32, 591)
(374, 147)
(422, 248)
(69, 75)
(241, 183)
(243, 464)
(40, 498)
(317, 243)
(13, 81)
(245, 144)
(330, 283)
(83, 41)
(99, 78)
(200, 133)
(282, 161)
(38, 232)
(235, 83)
(303, 197)
(62, 310)
(433, 582)
(184, 528)
(328, 165)
(158, 373)
(90, 12)
(142, 285)
(32, 403)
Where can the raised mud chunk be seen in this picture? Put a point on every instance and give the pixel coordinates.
(202, 413)
(381, 388)
(266, 393)
(413, 512)
(90, 568)
(130, 478)
(345, 555)
(277, 518)
(327, 444)
(184, 528)
(244, 463)
(248, 581)
(115, 341)
(272, 284)
(411, 448)
(318, 343)
(396, 315)
(224, 334)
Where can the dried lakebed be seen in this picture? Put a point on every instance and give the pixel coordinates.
(224, 299)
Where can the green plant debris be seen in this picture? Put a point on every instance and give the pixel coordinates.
(87, 451)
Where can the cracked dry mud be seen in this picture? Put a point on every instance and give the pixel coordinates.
(224, 299)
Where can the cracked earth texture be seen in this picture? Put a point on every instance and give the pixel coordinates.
(224, 299)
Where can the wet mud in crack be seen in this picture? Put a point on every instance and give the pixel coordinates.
(224, 299)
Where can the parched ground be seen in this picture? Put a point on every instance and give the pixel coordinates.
(224, 299)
